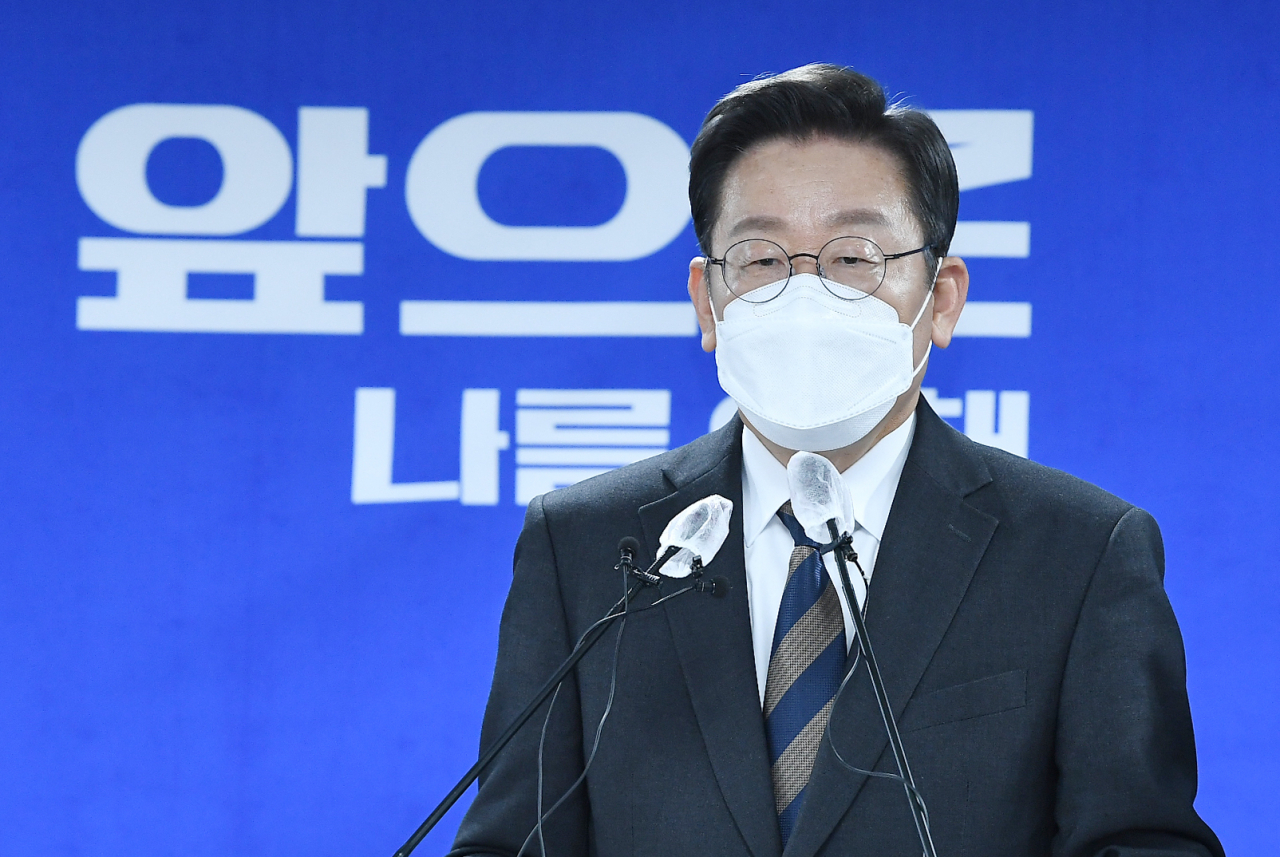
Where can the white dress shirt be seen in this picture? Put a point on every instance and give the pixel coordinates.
(872, 482)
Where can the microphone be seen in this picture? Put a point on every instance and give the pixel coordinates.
(821, 503)
(819, 496)
(689, 541)
(693, 538)
(628, 547)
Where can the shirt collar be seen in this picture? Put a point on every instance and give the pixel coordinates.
(872, 481)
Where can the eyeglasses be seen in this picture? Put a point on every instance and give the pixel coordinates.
(758, 270)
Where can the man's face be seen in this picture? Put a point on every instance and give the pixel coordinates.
(800, 195)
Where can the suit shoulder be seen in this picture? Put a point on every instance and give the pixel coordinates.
(1036, 492)
(631, 486)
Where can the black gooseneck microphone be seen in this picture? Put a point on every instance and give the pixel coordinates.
(699, 530)
(583, 646)
(819, 498)
(919, 813)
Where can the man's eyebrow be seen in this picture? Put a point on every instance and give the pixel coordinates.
(858, 217)
(757, 223)
(848, 217)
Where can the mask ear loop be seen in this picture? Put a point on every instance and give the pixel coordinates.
(706, 280)
(928, 348)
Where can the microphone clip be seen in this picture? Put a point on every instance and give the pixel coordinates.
(652, 576)
(627, 563)
(844, 545)
(718, 587)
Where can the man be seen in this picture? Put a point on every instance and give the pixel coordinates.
(1028, 649)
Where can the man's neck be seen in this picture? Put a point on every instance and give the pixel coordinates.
(847, 456)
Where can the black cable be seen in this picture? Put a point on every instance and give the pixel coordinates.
(919, 812)
(898, 778)
(608, 707)
(613, 682)
(542, 740)
(588, 639)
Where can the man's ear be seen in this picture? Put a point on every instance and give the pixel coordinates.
(700, 294)
(949, 294)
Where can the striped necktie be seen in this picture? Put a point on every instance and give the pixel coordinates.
(806, 666)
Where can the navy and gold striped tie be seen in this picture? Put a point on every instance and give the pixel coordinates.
(805, 668)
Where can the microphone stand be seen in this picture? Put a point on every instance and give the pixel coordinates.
(584, 645)
(918, 813)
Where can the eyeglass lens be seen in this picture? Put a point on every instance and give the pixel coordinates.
(757, 270)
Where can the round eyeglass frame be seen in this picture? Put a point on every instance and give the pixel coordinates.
(791, 270)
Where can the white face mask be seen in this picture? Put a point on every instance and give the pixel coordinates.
(812, 371)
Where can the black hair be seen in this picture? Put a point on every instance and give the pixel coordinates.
(823, 100)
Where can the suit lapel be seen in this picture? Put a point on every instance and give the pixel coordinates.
(932, 544)
(713, 641)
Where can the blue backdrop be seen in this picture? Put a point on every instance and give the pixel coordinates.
(267, 451)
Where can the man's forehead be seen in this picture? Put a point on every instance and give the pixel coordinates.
(827, 184)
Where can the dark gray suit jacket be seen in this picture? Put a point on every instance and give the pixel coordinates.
(1019, 618)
